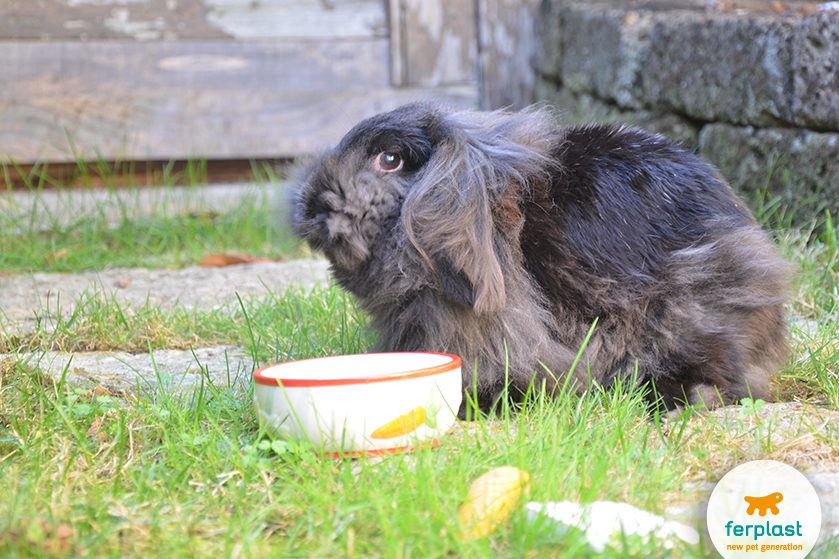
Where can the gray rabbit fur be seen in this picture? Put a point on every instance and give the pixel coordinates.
(501, 237)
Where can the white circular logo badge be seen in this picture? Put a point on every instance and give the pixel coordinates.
(764, 507)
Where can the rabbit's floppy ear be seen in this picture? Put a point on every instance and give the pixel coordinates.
(448, 213)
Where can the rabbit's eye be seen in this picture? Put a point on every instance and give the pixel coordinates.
(388, 162)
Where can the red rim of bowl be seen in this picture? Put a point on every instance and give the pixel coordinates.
(455, 363)
(381, 451)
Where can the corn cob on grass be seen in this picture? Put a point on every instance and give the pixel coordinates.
(491, 500)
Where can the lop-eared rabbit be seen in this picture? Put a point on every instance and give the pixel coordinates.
(502, 237)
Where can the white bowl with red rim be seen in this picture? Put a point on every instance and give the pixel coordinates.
(364, 404)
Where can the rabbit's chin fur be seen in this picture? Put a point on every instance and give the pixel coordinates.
(502, 238)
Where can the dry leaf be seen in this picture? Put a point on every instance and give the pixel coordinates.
(123, 283)
(207, 216)
(57, 255)
(94, 431)
(40, 532)
(220, 260)
(63, 532)
(99, 391)
(491, 500)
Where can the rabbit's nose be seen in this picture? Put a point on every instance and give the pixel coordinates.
(338, 225)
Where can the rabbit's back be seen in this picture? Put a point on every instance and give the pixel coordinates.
(636, 232)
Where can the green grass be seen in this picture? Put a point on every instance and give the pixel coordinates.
(168, 479)
(158, 477)
(85, 475)
(134, 226)
(814, 371)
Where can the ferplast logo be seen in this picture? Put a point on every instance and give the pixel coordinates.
(764, 507)
(763, 504)
(769, 502)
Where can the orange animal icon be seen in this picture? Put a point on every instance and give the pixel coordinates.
(769, 502)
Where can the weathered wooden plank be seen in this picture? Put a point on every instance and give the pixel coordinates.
(208, 123)
(440, 41)
(40, 70)
(191, 19)
(398, 57)
(152, 100)
(507, 39)
(245, 19)
(105, 19)
(243, 87)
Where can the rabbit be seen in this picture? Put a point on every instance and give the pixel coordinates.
(503, 237)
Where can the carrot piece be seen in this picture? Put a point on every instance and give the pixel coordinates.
(402, 425)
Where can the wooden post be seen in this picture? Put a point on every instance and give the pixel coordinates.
(507, 39)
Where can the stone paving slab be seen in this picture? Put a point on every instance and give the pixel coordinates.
(166, 371)
(826, 485)
(27, 298)
(49, 208)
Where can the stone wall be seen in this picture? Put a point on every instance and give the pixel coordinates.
(753, 87)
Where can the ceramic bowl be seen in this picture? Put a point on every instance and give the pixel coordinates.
(366, 404)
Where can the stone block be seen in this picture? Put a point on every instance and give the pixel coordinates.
(722, 67)
(816, 71)
(547, 60)
(603, 51)
(799, 166)
(586, 109)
